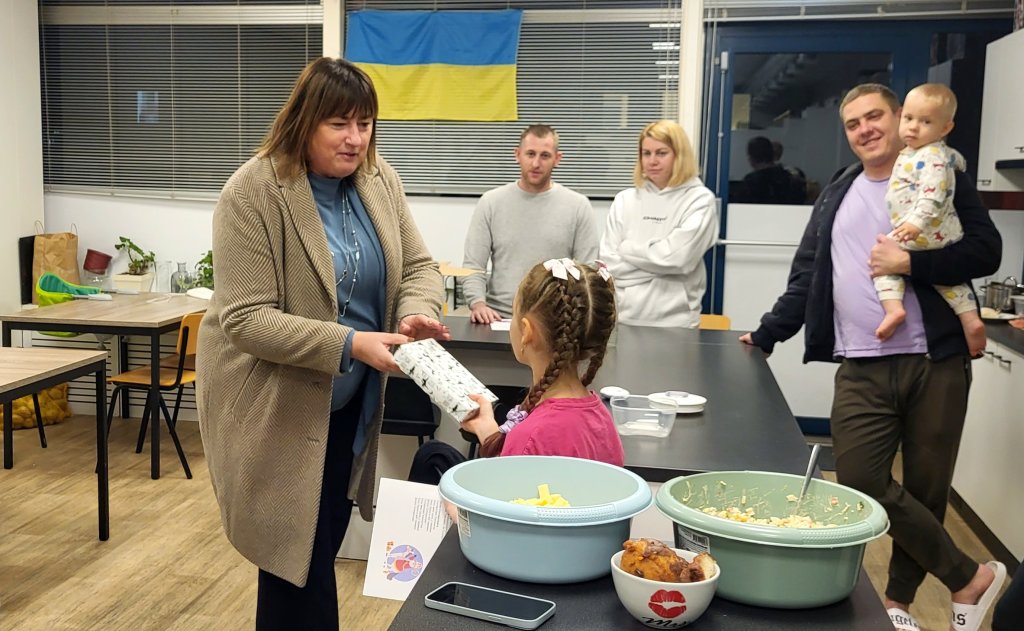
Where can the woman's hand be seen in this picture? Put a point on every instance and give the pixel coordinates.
(482, 423)
(374, 349)
(421, 327)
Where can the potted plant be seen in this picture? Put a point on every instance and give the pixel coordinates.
(204, 271)
(140, 263)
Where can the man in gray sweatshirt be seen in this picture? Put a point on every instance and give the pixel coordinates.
(523, 223)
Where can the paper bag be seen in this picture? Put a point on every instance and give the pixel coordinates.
(56, 253)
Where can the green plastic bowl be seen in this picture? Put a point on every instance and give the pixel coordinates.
(768, 566)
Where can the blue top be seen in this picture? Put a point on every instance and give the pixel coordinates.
(365, 296)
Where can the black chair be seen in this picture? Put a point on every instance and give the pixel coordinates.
(408, 410)
(508, 398)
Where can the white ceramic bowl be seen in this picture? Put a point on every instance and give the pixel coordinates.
(663, 605)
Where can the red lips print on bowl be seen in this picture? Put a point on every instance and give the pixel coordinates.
(663, 605)
(667, 604)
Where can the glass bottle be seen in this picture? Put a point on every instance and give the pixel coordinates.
(181, 280)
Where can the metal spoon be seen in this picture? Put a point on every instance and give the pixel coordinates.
(811, 463)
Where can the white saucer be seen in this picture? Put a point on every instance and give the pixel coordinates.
(688, 402)
(1001, 316)
(609, 392)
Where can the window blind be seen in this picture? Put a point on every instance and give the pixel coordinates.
(165, 98)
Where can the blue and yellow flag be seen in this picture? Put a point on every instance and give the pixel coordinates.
(439, 65)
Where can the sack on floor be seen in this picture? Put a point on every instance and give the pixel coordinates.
(53, 403)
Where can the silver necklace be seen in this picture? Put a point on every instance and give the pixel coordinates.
(352, 252)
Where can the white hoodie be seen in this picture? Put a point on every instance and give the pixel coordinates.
(654, 245)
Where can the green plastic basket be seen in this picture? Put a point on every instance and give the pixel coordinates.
(52, 289)
(766, 565)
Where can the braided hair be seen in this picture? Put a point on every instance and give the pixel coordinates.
(575, 319)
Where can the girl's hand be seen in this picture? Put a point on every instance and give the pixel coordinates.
(421, 327)
(482, 423)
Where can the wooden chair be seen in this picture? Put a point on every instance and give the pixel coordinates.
(408, 411)
(715, 322)
(176, 371)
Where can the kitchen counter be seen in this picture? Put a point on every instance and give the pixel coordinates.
(1003, 333)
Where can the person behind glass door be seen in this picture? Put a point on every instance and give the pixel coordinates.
(657, 233)
(521, 223)
(318, 258)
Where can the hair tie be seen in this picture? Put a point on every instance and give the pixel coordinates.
(602, 270)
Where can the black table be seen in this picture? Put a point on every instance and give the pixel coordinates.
(594, 604)
(746, 425)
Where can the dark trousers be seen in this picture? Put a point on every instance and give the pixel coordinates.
(1010, 608)
(281, 605)
(880, 405)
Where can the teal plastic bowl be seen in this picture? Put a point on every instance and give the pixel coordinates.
(768, 566)
(543, 544)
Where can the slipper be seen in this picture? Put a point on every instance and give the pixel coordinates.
(970, 617)
(902, 620)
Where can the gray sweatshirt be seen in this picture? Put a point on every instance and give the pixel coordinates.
(515, 230)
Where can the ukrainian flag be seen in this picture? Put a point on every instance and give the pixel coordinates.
(439, 65)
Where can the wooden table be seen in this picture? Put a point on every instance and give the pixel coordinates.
(145, 315)
(25, 371)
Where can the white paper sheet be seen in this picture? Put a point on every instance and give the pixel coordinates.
(501, 325)
(408, 525)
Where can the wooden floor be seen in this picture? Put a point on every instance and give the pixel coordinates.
(167, 564)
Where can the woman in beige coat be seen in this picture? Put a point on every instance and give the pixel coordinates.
(316, 252)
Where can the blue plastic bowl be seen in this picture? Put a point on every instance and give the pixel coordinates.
(543, 544)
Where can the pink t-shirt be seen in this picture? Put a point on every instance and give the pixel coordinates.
(576, 428)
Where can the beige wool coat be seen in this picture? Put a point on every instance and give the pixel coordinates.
(270, 345)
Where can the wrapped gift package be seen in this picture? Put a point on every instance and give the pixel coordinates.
(442, 377)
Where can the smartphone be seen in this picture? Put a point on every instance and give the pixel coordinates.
(514, 610)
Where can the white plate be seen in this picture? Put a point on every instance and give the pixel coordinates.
(688, 402)
(613, 391)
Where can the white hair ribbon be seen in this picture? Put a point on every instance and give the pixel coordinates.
(562, 268)
(602, 270)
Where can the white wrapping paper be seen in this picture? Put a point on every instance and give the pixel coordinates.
(442, 377)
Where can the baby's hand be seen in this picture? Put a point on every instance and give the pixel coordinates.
(906, 232)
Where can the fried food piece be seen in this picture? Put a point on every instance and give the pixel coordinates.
(701, 568)
(652, 559)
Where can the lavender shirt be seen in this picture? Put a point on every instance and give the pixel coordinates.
(861, 217)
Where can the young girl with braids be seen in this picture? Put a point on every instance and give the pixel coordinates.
(562, 317)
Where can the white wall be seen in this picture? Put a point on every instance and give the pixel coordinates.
(21, 160)
(180, 231)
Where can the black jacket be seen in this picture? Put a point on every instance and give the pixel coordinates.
(808, 298)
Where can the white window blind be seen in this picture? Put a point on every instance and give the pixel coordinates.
(597, 71)
(165, 98)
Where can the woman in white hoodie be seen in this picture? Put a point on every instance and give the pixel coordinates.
(657, 233)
